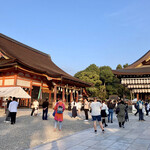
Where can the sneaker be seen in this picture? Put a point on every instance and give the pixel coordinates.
(111, 121)
(86, 120)
(103, 131)
(106, 125)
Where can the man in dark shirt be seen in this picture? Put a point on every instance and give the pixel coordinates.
(7, 111)
(45, 109)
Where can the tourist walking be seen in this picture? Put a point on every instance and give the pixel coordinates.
(86, 109)
(111, 107)
(141, 107)
(137, 108)
(8, 118)
(147, 106)
(45, 109)
(35, 107)
(121, 114)
(74, 108)
(104, 113)
(13, 110)
(59, 109)
(96, 116)
(79, 106)
(126, 112)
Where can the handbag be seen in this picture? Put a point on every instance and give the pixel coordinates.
(117, 110)
(54, 114)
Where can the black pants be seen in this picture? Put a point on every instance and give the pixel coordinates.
(141, 115)
(86, 114)
(121, 124)
(44, 116)
(137, 111)
(13, 117)
(33, 109)
(147, 111)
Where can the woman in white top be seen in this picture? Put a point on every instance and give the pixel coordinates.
(79, 105)
(104, 113)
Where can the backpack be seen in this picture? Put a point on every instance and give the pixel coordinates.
(140, 106)
(60, 109)
(117, 110)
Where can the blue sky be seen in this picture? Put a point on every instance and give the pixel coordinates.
(77, 33)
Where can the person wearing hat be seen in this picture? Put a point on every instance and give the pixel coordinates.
(13, 110)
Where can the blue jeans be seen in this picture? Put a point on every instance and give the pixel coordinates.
(60, 124)
(44, 117)
(141, 115)
(111, 111)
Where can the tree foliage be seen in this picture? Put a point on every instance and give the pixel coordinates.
(125, 65)
(103, 80)
(119, 67)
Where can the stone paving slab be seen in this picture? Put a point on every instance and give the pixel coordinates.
(135, 136)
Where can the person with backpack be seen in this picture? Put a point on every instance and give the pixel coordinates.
(59, 109)
(140, 106)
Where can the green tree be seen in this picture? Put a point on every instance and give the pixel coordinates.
(92, 68)
(119, 67)
(126, 65)
(106, 74)
(91, 75)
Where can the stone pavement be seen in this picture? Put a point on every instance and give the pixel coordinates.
(135, 136)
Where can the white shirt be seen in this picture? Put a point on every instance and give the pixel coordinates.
(35, 104)
(79, 105)
(95, 108)
(13, 106)
(73, 104)
(104, 107)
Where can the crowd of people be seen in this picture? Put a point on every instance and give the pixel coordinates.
(101, 111)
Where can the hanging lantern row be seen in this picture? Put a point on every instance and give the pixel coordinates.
(141, 91)
(138, 86)
(67, 90)
(135, 81)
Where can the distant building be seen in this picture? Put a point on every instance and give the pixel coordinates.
(136, 77)
(35, 72)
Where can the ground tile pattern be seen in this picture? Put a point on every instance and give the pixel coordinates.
(135, 136)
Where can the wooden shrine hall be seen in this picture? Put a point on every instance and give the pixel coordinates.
(137, 77)
(35, 72)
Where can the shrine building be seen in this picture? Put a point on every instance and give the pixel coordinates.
(136, 77)
(35, 72)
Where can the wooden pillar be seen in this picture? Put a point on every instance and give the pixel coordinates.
(137, 95)
(55, 93)
(77, 95)
(30, 94)
(3, 81)
(63, 95)
(49, 96)
(71, 96)
(15, 80)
